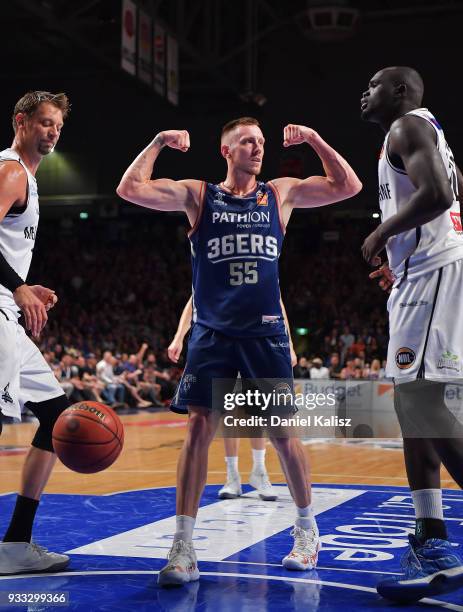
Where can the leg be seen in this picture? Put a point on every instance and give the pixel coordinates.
(304, 554)
(37, 468)
(259, 478)
(295, 467)
(191, 479)
(232, 486)
(192, 463)
(17, 555)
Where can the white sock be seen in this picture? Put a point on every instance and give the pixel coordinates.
(258, 460)
(428, 503)
(305, 517)
(184, 528)
(232, 466)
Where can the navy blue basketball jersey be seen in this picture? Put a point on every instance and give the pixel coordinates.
(235, 246)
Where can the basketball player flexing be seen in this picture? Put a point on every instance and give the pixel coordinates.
(258, 478)
(421, 229)
(237, 230)
(25, 377)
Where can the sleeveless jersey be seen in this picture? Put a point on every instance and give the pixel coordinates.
(235, 246)
(18, 231)
(434, 244)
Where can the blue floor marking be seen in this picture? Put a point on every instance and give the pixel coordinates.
(362, 538)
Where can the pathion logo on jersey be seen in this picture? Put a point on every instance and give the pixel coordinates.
(248, 217)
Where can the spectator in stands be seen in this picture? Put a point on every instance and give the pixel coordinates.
(375, 370)
(348, 372)
(114, 390)
(318, 370)
(335, 366)
(347, 339)
(301, 370)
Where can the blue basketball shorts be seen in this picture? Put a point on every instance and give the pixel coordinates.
(212, 355)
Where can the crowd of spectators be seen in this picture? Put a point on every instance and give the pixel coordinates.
(123, 381)
(122, 284)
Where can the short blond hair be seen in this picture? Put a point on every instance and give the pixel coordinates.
(231, 125)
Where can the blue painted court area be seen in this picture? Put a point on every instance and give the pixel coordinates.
(118, 543)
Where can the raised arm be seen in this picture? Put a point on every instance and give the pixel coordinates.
(339, 183)
(160, 194)
(414, 141)
(175, 347)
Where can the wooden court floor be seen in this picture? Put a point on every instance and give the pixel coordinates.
(152, 444)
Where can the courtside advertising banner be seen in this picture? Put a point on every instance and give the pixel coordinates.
(129, 42)
(145, 57)
(172, 70)
(159, 56)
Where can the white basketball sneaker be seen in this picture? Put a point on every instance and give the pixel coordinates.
(304, 554)
(260, 482)
(232, 488)
(29, 558)
(182, 566)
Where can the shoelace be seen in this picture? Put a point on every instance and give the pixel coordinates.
(179, 549)
(303, 540)
(410, 559)
(39, 549)
(264, 481)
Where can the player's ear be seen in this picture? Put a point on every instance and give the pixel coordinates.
(225, 151)
(20, 119)
(401, 90)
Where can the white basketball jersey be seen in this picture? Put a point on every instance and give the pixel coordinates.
(434, 244)
(18, 231)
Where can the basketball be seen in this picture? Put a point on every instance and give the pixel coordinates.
(88, 437)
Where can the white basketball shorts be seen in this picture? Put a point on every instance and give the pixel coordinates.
(25, 376)
(426, 327)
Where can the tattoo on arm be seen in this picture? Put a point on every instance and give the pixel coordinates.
(159, 140)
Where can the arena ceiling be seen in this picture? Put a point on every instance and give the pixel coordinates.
(219, 40)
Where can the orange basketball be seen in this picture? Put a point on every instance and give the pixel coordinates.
(88, 437)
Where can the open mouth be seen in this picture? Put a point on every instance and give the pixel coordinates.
(363, 104)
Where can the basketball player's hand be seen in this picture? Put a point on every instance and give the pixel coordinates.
(175, 139)
(297, 134)
(372, 246)
(33, 309)
(386, 278)
(47, 296)
(175, 349)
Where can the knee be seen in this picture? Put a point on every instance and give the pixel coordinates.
(198, 429)
(47, 413)
(283, 446)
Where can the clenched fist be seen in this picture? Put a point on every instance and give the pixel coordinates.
(297, 134)
(175, 139)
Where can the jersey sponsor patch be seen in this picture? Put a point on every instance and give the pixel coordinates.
(456, 220)
(262, 199)
(405, 358)
(269, 319)
(449, 361)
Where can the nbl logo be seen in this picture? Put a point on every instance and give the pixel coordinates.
(405, 358)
